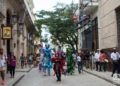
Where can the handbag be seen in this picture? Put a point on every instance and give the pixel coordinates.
(106, 60)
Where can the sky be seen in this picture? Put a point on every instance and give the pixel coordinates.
(48, 4)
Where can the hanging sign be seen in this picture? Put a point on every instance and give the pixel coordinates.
(6, 32)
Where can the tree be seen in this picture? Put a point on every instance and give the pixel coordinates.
(60, 23)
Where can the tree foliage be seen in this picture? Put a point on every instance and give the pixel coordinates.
(60, 23)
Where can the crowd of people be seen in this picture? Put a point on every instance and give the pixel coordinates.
(99, 60)
(102, 59)
(60, 62)
(7, 64)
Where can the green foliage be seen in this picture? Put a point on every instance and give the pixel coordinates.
(60, 23)
(44, 40)
(70, 61)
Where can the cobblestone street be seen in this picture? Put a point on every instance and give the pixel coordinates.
(35, 78)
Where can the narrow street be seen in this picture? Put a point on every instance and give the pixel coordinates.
(35, 78)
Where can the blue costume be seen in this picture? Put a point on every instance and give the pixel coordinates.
(46, 61)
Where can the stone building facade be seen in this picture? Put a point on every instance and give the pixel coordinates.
(88, 25)
(18, 14)
(109, 24)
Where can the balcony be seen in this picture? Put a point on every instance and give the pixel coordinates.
(90, 6)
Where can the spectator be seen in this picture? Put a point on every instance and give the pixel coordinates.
(87, 59)
(103, 60)
(74, 58)
(22, 58)
(12, 65)
(97, 61)
(8, 63)
(30, 60)
(115, 58)
(2, 66)
(79, 63)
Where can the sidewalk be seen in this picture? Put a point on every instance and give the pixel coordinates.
(20, 73)
(13, 81)
(104, 75)
(23, 70)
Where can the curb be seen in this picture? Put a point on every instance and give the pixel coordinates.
(24, 71)
(110, 81)
(30, 69)
(18, 80)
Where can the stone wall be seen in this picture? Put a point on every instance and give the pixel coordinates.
(107, 23)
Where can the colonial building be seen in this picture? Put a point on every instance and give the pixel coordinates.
(109, 24)
(17, 19)
(88, 25)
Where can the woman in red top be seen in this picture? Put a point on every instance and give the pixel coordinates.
(103, 60)
(57, 66)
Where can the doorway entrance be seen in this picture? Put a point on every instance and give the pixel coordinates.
(8, 23)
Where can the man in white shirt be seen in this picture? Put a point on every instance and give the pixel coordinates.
(79, 63)
(115, 57)
(74, 58)
(97, 61)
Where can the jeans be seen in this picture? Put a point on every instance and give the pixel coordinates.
(97, 65)
(103, 66)
(115, 67)
(12, 71)
(79, 66)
